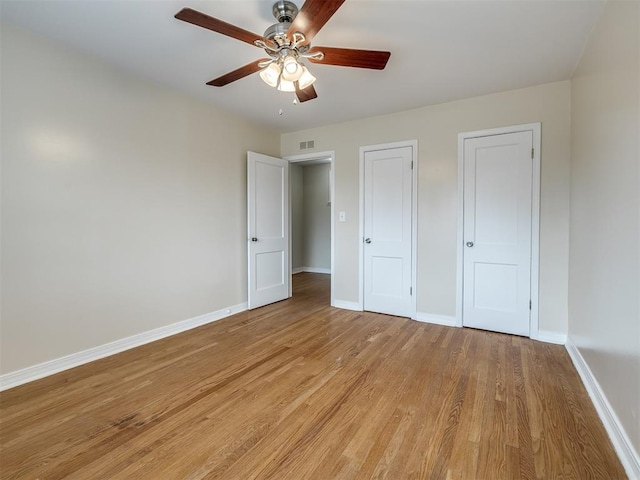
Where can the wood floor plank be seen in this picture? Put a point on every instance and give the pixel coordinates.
(299, 390)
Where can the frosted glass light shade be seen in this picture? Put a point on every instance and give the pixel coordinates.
(306, 78)
(286, 86)
(270, 75)
(291, 69)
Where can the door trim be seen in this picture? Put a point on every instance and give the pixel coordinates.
(414, 220)
(305, 157)
(535, 129)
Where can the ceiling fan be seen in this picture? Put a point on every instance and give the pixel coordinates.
(287, 43)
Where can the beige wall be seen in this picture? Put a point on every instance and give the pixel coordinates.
(436, 129)
(296, 197)
(317, 216)
(604, 283)
(123, 203)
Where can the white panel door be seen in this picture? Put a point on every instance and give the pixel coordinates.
(387, 231)
(268, 229)
(497, 201)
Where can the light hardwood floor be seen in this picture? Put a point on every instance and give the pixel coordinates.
(299, 390)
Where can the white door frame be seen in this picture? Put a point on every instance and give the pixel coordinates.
(305, 157)
(414, 221)
(535, 129)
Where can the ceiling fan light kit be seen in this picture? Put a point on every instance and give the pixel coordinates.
(285, 69)
(287, 43)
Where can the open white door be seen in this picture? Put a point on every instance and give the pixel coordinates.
(388, 204)
(497, 232)
(268, 229)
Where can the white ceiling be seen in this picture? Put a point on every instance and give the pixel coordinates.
(440, 50)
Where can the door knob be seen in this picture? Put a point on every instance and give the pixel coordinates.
(367, 240)
(254, 239)
(469, 244)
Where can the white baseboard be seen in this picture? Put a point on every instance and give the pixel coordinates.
(347, 305)
(628, 456)
(29, 374)
(326, 271)
(446, 320)
(548, 336)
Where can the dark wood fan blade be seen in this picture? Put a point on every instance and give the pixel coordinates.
(205, 21)
(308, 93)
(348, 57)
(237, 74)
(312, 17)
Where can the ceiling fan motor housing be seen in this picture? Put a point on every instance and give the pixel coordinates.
(277, 33)
(285, 11)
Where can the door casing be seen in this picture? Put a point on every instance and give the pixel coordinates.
(414, 220)
(535, 128)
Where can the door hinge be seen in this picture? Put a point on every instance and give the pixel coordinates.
(411, 164)
(532, 153)
(529, 304)
(410, 290)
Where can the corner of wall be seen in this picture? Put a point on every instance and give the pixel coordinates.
(621, 443)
